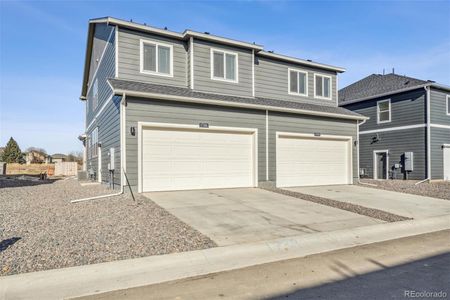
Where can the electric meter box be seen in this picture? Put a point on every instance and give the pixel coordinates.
(409, 161)
(111, 159)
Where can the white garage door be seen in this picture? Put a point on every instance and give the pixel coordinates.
(179, 159)
(446, 162)
(312, 161)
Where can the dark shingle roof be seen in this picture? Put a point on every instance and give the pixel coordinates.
(377, 84)
(133, 86)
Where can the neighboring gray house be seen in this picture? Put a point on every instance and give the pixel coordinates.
(192, 110)
(409, 118)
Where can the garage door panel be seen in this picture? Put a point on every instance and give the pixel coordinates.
(182, 159)
(303, 162)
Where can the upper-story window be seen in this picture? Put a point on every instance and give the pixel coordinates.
(298, 82)
(448, 105)
(224, 65)
(322, 86)
(384, 111)
(156, 58)
(95, 94)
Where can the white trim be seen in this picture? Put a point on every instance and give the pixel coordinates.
(298, 82)
(142, 125)
(267, 145)
(99, 61)
(99, 112)
(191, 60)
(99, 163)
(337, 96)
(210, 37)
(236, 67)
(235, 104)
(445, 145)
(157, 45)
(440, 126)
(323, 87)
(117, 51)
(447, 105)
(253, 73)
(375, 171)
(393, 128)
(428, 103)
(378, 111)
(349, 139)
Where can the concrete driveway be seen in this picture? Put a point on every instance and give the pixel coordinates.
(402, 204)
(235, 216)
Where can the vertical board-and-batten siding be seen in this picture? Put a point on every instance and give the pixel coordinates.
(202, 70)
(129, 58)
(160, 111)
(107, 115)
(271, 81)
(285, 122)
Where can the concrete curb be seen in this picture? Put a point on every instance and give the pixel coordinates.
(104, 277)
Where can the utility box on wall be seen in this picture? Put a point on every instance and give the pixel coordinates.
(111, 163)
(409, 161)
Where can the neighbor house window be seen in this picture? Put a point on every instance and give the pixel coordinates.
(94, 142)
(95, 95)
(298, 82)
(448, 105)
(224, 65)
(384, 111)
(156, 58)
(322, 86)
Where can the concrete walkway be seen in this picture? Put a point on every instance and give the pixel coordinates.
(99, 278)
(402, 204)
(236, 216)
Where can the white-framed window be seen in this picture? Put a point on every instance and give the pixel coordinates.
(448, 105)
(384, 111)
(297, 82)
(322, 86)
(95, 94)
(224, 65)
(94, 143)
(156, 58)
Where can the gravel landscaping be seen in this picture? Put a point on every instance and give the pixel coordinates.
(354, 208)
(40, 229)
(434, 189)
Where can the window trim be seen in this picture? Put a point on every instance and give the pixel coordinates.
(141, 58)
(331, 86)
(289, 82)
(94, 143)
(95, 94)
(378, 111)
(236, 69)
(447, 102)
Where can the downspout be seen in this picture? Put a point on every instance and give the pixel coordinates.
(357, 152)
(428, 103)
(122, 154)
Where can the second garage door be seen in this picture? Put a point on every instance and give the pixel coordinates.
(309, 161)
(183, 159)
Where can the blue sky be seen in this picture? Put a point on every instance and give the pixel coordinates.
(43, 45)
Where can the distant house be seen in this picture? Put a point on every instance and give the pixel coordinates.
(37, 157)
(408, 133)
(58, 157)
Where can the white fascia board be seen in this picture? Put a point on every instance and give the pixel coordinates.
(385, 94)
(236, 104)
(301, 61)
(215, 38)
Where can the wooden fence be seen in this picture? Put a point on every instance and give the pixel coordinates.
(66, 168)
(31, 169)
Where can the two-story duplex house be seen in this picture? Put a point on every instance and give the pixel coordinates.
(408, 133)
(193, 110)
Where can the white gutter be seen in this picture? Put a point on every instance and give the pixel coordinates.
(357, 150)
(236, 104)
(122, 155)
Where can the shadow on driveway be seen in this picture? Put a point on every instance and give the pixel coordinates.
(7, 243)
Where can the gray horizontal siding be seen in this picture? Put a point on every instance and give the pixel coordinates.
(307, 124)
(438, 107)
(439, 137)
(397, 142)
(108, 123)
(101, 34)
(129, 58)
(106, 69)
(271, 81)
(406, 109)
(148, 110)
(202, 70)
